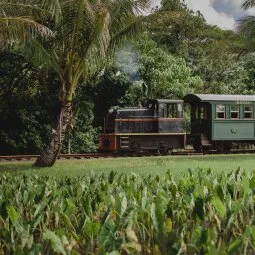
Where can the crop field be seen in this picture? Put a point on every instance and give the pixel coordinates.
(128, 214)
(99, 207)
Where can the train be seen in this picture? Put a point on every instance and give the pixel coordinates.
(216, 122)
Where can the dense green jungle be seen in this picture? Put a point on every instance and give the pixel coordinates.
(177, 53)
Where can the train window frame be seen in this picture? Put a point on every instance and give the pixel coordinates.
(180, 110)
(220, 111)
(161, 110)
(203, 114)
(172, 111)
(248, 112)
(234, 113)
(196, 113)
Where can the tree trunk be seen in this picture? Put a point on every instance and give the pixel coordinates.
(50, 154)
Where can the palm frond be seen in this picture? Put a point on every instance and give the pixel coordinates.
(94, 54)
(136, 7)
(127, 33)
(38, 55)
(20, 10)
(78, 18)
(115, 24)
(248, 4)
(100, 37)
(245, 26)
(21, 29)
(54, 7)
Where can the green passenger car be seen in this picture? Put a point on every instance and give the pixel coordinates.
(218, 121)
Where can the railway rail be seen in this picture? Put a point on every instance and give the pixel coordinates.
(98, 155)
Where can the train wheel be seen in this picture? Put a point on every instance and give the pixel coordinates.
(223, 146)
(197, 146)
(227, 147)
(164, 152)
(205, 149)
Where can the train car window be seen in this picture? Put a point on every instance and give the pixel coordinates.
(172, 110)
(180, 110)
(194, 112)
(248, 112)
(220, 111)
(202, 112)
(151, 106)
(234, 111)
(161, 110)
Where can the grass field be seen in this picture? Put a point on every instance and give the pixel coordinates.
(142, 165)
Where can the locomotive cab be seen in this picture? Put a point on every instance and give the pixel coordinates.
(157, 125)
(170, 116)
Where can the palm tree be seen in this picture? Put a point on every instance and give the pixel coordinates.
(246, 26)
(72, 37)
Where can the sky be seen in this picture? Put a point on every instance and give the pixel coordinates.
(223, 13)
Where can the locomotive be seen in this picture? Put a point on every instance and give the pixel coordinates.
(216, 122)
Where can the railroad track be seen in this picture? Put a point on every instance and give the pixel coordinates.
(119, 155)
(96, 155)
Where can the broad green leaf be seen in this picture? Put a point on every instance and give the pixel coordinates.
(168, 225)
(219, 206)
(91, 228)
(220, 192)
(113, 253)
(154, 217)
(69, 206)
(41, 207)
(246, 185)
(252, 181)
(68, 222)
(12, 213)
(107, 230)
(121, 203)
(212, 250)
(196, 235)
(199, 208)
(25, 196)
(144, 198)
(160, 214)
(55, 241)
(232, 249)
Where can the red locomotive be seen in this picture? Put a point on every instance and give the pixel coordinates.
(158, 125)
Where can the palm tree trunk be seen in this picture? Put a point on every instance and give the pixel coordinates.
(50, 154)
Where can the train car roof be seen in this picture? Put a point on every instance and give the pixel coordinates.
(132, 109)
(198, 98)
(165, 100)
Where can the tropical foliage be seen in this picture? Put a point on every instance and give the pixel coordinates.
(246, 26)
(164, 75)
(180, 53)
(82, 33)
(128, 214)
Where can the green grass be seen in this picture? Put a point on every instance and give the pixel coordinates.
(142, 165)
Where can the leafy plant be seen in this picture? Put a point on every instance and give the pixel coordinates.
(128, 214)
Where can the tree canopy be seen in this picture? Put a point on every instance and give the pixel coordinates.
(86, 56)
